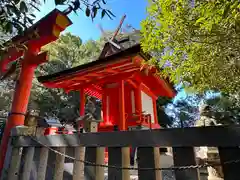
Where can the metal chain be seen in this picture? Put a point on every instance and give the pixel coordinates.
(137, 168)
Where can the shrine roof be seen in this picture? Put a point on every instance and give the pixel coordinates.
(130, 44)
(134, 50)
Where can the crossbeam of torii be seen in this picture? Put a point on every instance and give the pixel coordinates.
(28, 46)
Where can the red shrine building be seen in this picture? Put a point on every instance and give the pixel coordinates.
(127, 88)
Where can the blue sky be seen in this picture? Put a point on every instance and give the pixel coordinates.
(86, 29)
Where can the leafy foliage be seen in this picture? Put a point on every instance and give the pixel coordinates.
(196, 42)
(225, 108)
(163, 119)
(6, 92)
(17, 15)
(185, 111)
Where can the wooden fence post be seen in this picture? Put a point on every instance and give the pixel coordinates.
(43, 157)
(59, 164)
(149, 157)
(15, 162)
(185, 156)
(13, 173)
(7, 160)
(78, 168)
(42, 167)
(100, 160)
(31, 122)
(230, 170)
(28, 162)
(125, 163)
(156, 152)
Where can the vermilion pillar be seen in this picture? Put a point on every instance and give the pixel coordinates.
(82, 102)
(122, 119)
(81, 108)
(138, 100)
(21, 97)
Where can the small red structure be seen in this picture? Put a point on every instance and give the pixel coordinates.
(128, 90)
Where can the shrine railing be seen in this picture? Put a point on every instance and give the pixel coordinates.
(32, 156)
(141, 118)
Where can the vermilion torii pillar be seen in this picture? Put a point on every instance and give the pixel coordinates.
(43, 32)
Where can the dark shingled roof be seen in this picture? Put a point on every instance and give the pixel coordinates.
(124, 40)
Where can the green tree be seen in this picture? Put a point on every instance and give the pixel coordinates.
(6, 92)
(181, 111)
(195, 42)
(163, 119)
(17, 15)
(224, 108)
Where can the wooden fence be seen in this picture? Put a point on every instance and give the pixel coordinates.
(89, 147)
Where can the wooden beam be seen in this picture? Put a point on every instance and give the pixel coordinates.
(138, 99)
(129, 81)
(122, 65)
(77, 78)
(95, 89)
(139, 61)
(99, 68)
(215, 136)
(93, 75)
(169, 91)
(155, 111)
(101, 80)
(110, 70)
(148, 91)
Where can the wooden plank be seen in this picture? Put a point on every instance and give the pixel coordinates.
(148, 157)
(185, 156)
(59, 164)
(7, 160)
(100, 160)
(115, 159)
(197, 136)
(158, 173)
(126, 163)
(13, 173)
(28, 162)
(43, 159)
(78, 167)
(230, 170)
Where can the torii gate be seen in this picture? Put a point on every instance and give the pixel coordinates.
(41, 33)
